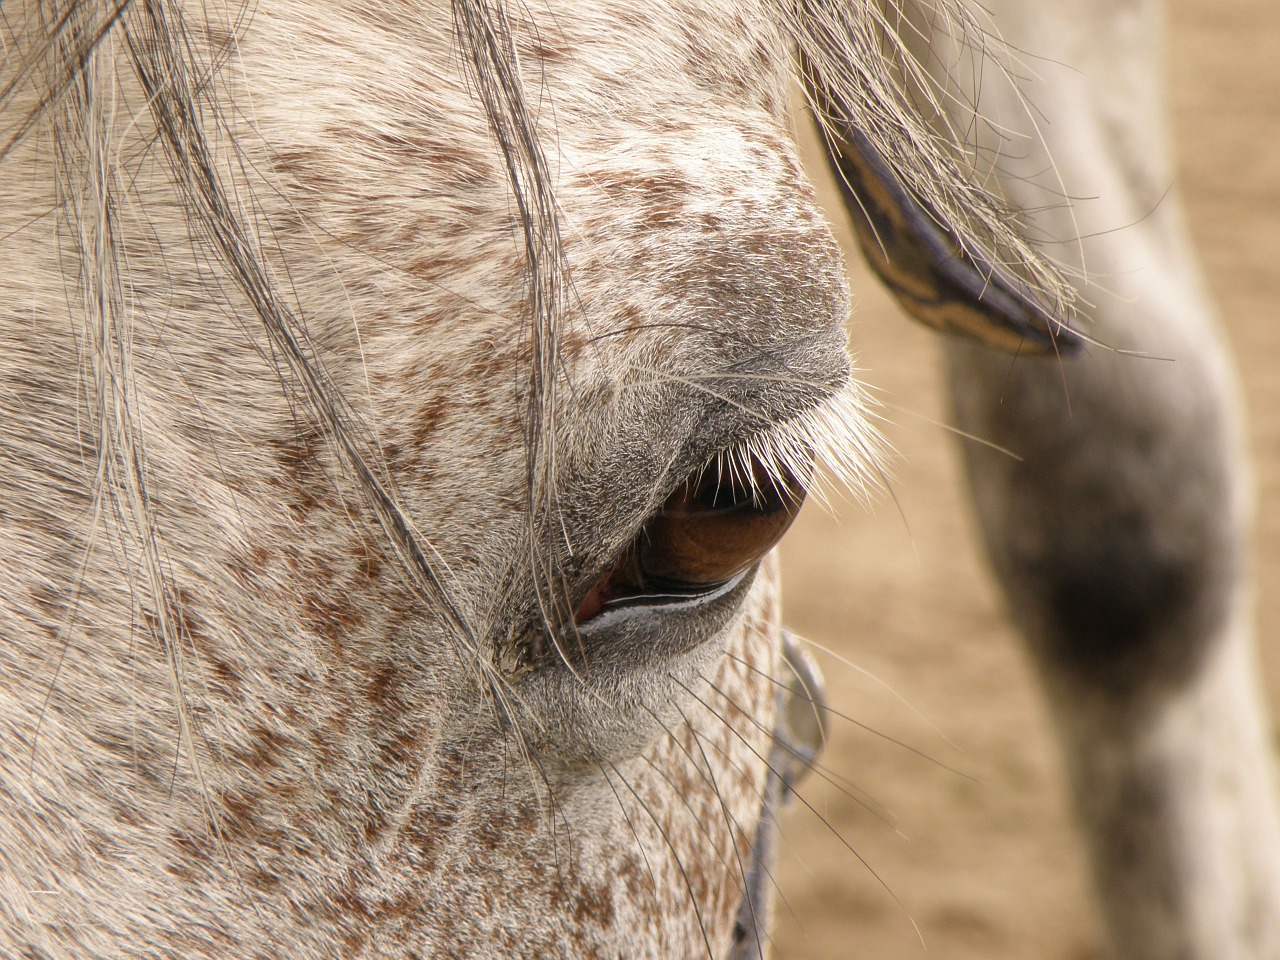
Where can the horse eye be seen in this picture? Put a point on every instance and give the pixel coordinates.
(712, 528)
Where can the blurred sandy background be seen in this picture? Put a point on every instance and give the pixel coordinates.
(988, 867)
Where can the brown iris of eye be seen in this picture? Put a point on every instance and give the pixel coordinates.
(714, 526)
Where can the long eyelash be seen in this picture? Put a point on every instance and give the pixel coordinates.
(830, 449)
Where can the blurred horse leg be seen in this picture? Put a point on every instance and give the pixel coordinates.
(1120, 533)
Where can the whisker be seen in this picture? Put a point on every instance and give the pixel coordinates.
(883, 684)
(693, 763)
(812, 809)
(653, 878)
(826, 708)
(766, 810)
(847, 788)
(731, 823)
(675, 854)
(742, 884)
(949, 428)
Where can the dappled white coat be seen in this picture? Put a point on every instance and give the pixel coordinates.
(345, 349)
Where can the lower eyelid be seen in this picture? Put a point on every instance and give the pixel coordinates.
(626, 609)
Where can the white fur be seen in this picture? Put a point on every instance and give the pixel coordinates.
(343, 345)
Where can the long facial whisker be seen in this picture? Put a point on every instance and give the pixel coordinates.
(693, 764)
(730, 821)
(847, 788)
(861, 725)
(683, 749)
(814, 810)
(551, 806)
(653, 877)
(741, 881)
(675, 854)
(702, 829)
(766, 810)
(883, 684)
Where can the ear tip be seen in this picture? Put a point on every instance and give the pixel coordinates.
(1062, 341)
(1049, 332)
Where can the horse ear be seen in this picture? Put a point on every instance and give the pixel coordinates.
(938, 281)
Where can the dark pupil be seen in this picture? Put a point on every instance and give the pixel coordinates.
(713, 528)
(717, 493)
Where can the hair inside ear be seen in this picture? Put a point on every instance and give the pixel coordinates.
(940, 282)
